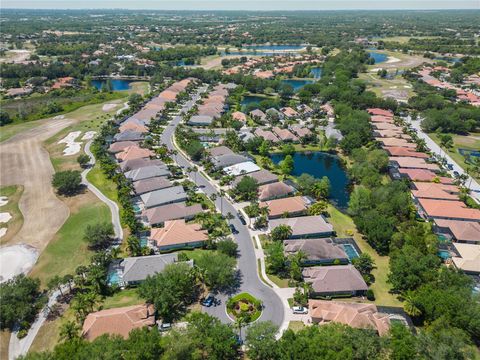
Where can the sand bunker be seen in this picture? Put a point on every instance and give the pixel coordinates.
(392, 60)
(72, 147)
(15, 260)
(89, 135)
(3, 200)
(3, 231)
(5, 217)
(59, 117)
(109, 107)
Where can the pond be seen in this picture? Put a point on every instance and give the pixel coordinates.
(316, 72)
(298, 83)
(447, 59)
(378, 57)
(250, 99)
(117, 85)
(320, 164)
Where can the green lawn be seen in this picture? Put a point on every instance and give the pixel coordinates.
(68, 249)
(296, 325)
(105, 185)
(125, 297)
(13, 193)
(345, 227)
(195, 254)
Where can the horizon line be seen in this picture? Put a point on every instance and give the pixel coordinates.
(244, 10)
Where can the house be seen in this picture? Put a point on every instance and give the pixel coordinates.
(275, 190)
(336, 280)
(461, 231)
(120, 146)
(328, 109)
(288, 112)
(386, 126)
(147, 172)
(304, 226)
(258, 115)
(381, 112)
(301, 131)
(435, 191)
(266, 135)
(356, 315)
(239, 116)
(151, 184)
(423, 175)
(273, 113)
(404, 152)
(405, 162)
(317, 251)
(447, 209)
(158, 215)
(139, 163)
(164, 196)
(241, 168)
(391, 134)
(284, 134)
(468, 259)
(200, 120)
(305, 109)
(396, 142)
(134, 125)
(129, 135)
(262, 177)
(134, 270)
(14, 92)
(178, 234)
(293, 206)
(134, 152)
(118, 321)
(219, 151)
(223, 161)
(381, 119)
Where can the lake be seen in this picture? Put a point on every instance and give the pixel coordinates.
(117, 85)
(316, 72)
(320, 164)
(378, 57)
(250, 99)
(297, 84)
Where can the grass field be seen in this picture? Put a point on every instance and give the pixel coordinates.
(4, 341)
(126, 297)
(13, 193)
(296, 325)
(344, 227)
(398, 87)
(68, 249)
(105, 185)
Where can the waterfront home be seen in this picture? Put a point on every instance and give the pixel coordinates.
(423, 175)
(134, 152)
(404, 152)
(275, 190)
(147, 172)
(396, 142)
(200, 120)
(468, 259)
(356, 315)
(447, 209)
(304, 226)
(267, 135)
(460, 231)
(133, 270)
(262, 177)
(241, 168)
(223, 161)
(120, 146)
(177, 234)
(317, 251)
(293, 206)
(405, 162)
(258, 115)
(164, 196)
(391, 134)
(151, 184)
(301, 131)
(433, 190)
(118, 321)
(284, 134)
(158, 215)
(288, 112)
(139, 163)
(336, 280)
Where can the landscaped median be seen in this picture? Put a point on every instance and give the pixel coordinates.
(244, 307)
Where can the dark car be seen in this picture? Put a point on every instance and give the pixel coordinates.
(233, 228)
(456, 173)
(242, 219)
(208, 301)
(450, 166)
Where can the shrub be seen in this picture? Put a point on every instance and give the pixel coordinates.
(67, 182)
(370, 295)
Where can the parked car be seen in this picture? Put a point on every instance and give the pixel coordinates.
(450, 166)
(456, 174)
(208, 301)
(299, 310)
(242, 219)
(164, 326)
(233, 228)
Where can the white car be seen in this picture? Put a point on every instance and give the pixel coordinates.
(299, 310)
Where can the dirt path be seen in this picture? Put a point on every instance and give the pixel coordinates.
(24, 161)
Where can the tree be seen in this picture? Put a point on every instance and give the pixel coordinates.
(4, 118)
(364, 264)
(446, 140)
(170, 291)
(318, 208)
(99, 236)
(261, 341)
(264, 148)
(305, 183)
(275, 258)
(228, 247)
(134, 100)
(402, 343)
(288, 149)
(83, 160)
(55, 282)
(287, 165)
(247, 188)
(69, 330)
(67, 182)
(134, 246)
(321, 188)
(20, 302)
(409, 304)
(281, 232)
(218, 270)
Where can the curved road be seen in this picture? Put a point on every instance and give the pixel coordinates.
(247, 263)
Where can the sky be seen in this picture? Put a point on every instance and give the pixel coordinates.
(242, 5)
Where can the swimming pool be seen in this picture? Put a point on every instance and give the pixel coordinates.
(444, 254)
(136, 208)
(143, 241)
(350, 250)
(113, 278)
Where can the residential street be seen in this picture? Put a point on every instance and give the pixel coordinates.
(432, 145)
(247, 263)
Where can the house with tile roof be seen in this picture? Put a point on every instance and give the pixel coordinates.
(151, 184)
(405, 162)
(294, 206)
(447, 209)
(134, 152)
(336, 280)
(266, 135)
(177, 234)
(158, 215)
(468, 259)
(147, 172)
(304, 226)
(321, 251)
(431, 190)
(285, 134)
(460, 231)
(275, 190)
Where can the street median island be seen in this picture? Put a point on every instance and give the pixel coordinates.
(245, 307)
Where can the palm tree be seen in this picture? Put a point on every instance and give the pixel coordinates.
(409, 305)
(239, 324)
(69, 330)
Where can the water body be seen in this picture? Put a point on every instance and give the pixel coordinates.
(297, 84)
(447, 59)
(250, 99)
(378, 57)
(117, 85)
(320, 164)
(316, 73)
